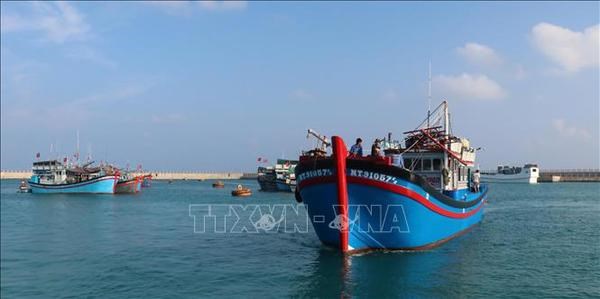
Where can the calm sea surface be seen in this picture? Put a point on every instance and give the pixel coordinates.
(535, 240)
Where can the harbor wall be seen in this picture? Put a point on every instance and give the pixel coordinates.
(157, 175)
(569, 175)
(565, 175)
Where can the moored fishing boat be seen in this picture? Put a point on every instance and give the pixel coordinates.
(52, 176)
(414, 197)
(128, 183)
(267, 178)
(285, 177)
(505, 174)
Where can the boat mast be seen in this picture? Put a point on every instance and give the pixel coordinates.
(77, 146)
(429, 95)
(446, 120)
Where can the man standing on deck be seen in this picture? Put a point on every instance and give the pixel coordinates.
(476, 178)
(376, 149)
(356, 149)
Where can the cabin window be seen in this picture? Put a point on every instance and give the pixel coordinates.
(533, 170)
(417, 164)
(408, 163)
(437, 164)
(427, 164)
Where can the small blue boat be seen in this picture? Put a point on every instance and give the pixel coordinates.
(412, 197)
(54, 177)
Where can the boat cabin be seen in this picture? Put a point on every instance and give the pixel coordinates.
(49, 172)
(445, 161)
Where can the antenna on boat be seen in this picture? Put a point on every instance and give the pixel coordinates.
(429, 95)
(77, 146)
(446, 118)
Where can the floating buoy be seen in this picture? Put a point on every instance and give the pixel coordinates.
(241, 191)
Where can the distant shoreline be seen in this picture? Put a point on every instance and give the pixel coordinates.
(547, 176)
(156, 175)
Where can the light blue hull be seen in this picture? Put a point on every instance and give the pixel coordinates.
(105, 184)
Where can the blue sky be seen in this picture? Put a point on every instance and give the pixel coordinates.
(212, 86)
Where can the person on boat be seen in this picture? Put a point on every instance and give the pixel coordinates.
(376, 149)
(476, 179)
(356, 149)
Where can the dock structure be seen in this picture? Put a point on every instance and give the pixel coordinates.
(156, 175)
(569, 175)
(546, 176)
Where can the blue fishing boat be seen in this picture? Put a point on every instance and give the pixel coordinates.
(55, 177)
(410, 196)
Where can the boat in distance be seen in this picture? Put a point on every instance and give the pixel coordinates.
(52, 176)
(278, 178)
(128, 183)
(412, 197)
(267, 179)
(528, 174)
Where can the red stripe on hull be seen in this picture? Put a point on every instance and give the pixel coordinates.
(394, 189)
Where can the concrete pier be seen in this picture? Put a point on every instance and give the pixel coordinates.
(564, 175)
(569, 175)
(157, 175)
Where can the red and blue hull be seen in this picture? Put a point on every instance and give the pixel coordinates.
(129, 186)
(369, 205)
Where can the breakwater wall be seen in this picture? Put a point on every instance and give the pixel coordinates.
(157, 175)
(569, 175)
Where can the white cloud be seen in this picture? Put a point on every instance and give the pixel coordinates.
(571, 50)
(301, 94)
(571, 131)
(479, 54)
(172, 7)
(186, 7)
(390, 96)
(467, 86)
(58, 21)
(84, 53)
(171, 118)
(520, 72)
(223, 5)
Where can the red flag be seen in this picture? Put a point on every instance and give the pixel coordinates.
(259, 159)
(65, 160)
(37, 155)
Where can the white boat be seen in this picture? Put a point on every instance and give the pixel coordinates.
(507, 174)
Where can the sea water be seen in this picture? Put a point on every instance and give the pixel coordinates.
(535, 240)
